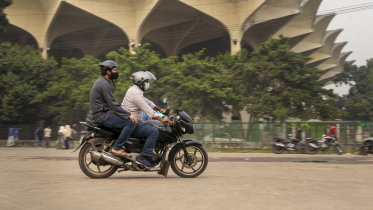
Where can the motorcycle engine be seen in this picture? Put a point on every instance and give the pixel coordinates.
(290, 145)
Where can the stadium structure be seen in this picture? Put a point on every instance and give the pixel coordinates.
(74, 28)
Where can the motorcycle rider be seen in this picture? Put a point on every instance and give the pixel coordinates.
(333, 132)
(106, 111)
(135, 102)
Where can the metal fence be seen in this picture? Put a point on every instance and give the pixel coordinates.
(347, 132)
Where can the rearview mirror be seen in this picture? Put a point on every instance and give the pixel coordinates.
(165, 100)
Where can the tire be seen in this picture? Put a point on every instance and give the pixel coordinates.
(176, 158)
(86, 167)
(338, 149)
(310, 150)
(301, 147)
(277, 149)
(362, 150)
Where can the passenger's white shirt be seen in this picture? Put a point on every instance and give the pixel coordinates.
(135, 102)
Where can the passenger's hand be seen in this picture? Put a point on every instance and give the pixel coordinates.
(133, 118)
(167, 121)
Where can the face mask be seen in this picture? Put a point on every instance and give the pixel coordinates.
(147, 85)
(114, 75)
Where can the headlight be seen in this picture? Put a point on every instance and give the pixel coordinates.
(183, 129)
(178, 117)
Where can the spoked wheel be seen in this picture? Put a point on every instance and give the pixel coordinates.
(277, 149)
(362, 150)
(300, 146)
(194, 166)
(310, 149)
(338, 149)
(92, 168)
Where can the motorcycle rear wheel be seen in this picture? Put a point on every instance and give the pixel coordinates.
(88, 166)
(192, 168)
(277, 149)
(311, 150)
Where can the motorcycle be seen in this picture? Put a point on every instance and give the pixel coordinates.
(187, 157)
(313, 145)
(367, 147)
(280, 145)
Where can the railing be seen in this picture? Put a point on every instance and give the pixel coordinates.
(347, 132)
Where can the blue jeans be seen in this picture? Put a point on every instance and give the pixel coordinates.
(127, 126)
(143, 130)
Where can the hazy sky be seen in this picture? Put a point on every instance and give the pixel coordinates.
(357, 30)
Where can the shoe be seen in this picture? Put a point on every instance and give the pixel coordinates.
(143, 160)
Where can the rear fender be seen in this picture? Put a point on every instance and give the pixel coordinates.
(87, 138)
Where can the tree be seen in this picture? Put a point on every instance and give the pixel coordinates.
(142, 60)
(23, 75)
(3, 20)
(358, 103)
(68, 97)
(276, 82)
(201, 87)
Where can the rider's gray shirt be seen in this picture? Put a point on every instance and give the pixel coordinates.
(102, 102)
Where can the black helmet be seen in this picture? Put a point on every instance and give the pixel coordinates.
(107, 65)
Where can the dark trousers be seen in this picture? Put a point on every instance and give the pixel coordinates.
(127, 126)
(67, 146)
(47, 141)
(143, 130)
(39, 139)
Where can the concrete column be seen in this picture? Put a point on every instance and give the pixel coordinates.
(235, 41)
(44, 52)
(132, 44)
(359, 134)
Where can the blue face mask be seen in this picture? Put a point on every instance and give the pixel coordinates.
(147, 85)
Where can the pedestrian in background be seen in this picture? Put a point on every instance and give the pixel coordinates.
(10, 141)
(67, 136)
(40, 134)
(16, 134)
(47, 135)
(60, 137)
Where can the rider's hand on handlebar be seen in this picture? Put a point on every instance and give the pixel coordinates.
(163, 111)
(167, 121)
(133, 118)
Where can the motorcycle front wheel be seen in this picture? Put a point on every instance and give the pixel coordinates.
(277, 149)
(194, 166)
(94, 169)
(338, 149)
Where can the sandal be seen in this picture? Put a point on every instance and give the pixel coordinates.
(122, 154)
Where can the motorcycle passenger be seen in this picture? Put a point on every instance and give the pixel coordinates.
(106, 111)
(135, 102)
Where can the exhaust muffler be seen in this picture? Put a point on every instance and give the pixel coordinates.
(313, 145)
(97, 156)
(280, 144)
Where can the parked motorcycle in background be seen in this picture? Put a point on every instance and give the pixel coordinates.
(291, 144)
(367, 147)
(314, 145)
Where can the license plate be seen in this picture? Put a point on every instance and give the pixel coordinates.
(83, 133)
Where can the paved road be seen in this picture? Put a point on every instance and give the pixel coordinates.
(37, 179)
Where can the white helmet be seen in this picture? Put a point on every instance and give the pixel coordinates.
(139, 77)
